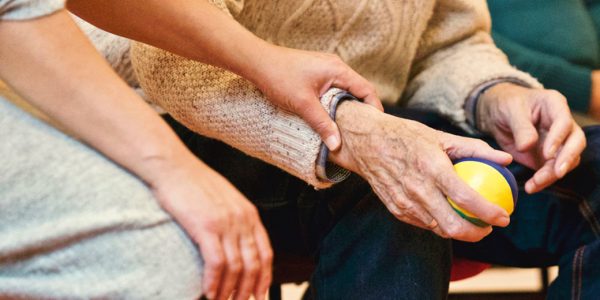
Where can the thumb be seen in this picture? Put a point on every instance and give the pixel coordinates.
(319, 120)
(359, 87)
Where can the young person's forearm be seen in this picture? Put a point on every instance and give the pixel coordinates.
(194, 29)
(49, 62)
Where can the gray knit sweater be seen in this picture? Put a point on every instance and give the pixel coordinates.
(28, 9)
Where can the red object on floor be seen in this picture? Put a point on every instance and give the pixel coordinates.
(464, 268)
(293, 268)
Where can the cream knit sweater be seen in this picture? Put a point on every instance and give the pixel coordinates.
(419, 53)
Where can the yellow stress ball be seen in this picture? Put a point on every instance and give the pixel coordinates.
(493, 181)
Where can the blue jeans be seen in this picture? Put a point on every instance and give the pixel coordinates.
(363, 252)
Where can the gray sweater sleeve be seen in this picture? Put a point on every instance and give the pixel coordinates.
(28, 9)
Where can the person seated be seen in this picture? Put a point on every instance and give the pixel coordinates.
(384, 232)
(99, 197)
(88, 215)
(555, 41)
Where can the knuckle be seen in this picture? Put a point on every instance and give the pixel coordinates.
(460, 195)
(454, 231)
(410, 210)
(460, 192)
(215, 262)
(557, 96)
(321, 125)
(267, 278)
(213, 223)
(237, 214)
(395, 203)
(422, 164)
(246, 213)
(480, 144)
(250, 211)
(403, 204)
(267, 258)
(300, 104)
(417, 218)
(252, 267)
(442, 234)
(234, 266)
(395, 210)
(413, 191)
(444, 177)
(437, 161)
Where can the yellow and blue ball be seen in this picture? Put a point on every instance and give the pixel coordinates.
(493, 181)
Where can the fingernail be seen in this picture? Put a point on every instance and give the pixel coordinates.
(552, 151)
(562, 170)
(332, 142)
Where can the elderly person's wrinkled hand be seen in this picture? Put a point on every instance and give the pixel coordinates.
(536, 127)
(409, 167)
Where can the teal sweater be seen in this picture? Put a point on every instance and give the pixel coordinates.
(556, 41)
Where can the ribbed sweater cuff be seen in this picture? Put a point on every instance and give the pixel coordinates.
(455, 73)
(507, 74)
(300, 148)
(326, 170)
(475, 95)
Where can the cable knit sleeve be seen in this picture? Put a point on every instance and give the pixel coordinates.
(455, 56)
(221, 105)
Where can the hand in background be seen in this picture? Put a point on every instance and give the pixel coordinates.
(536, 127)
(234, 244)
(594, 111)
(409, 167)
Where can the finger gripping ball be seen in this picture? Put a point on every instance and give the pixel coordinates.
(493, 181)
